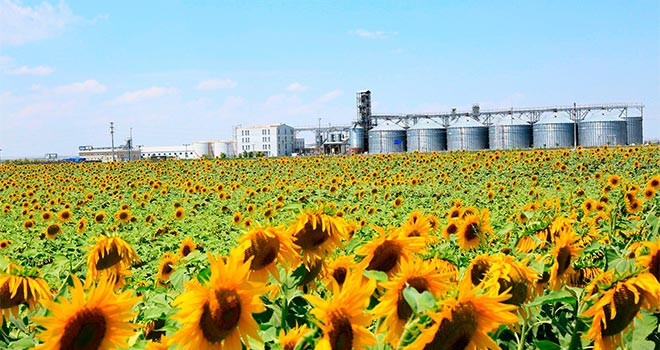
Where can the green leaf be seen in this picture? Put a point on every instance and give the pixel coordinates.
(560, 296)
(546, 345)
(23, 343)
(204, 275)
(379, 276)
(419, 302)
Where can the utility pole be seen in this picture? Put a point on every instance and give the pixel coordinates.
(0, 154)
(186, 154)
(112, 138)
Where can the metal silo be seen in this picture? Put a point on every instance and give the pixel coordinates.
(202, 149)
(426, 136)
(554, 131)
(602, 128)
(467, 134)
(387, 138)
(634, 126)
(356, 139)
(509, 133)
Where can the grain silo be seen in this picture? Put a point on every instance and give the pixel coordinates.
(426, 136)
(467, 134)
(356, 139)
(554, 131)
(509, 133)
(602, 128)
(387, 138)
(634, 130)
(202, 149)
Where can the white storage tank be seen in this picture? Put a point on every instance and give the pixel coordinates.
(602, 128)
(202, 149)
(467, 134)
(387, 137)
(226, 147)
(554, 131)
(426, 136)
(509, 133)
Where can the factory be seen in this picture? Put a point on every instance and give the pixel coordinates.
(516, 128)
(476, 129)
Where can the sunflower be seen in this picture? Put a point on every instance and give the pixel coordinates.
(464, 320)
(4, 244)
(123, 216)
(512, 277)
(28, 224)
(614, 180)
(421, 275)
(46, 216)
(451, 228)
(290, 339)
(264, 247)
(98, 320)
(82, 225)
(53, 230)
(654, 183)
(417, 228)
(109, 257)
(564, 252)
(18, 287)
(99, 217)
(343, 319)
(648, 193)
(618, 305)
(219, 315)
(166, 267)
(179, 213)
(64, 215)
(398, 201)
(651, 261)
(237, 218)
(473, 230)
(337, 269)
(317, 234)
(389, 249)
(187, 246)
(479, 267)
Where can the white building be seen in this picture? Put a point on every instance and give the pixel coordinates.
(272, 140)
(179, 152)
(226, 147)
(104, 154)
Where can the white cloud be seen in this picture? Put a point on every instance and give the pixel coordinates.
(296, 87)
(85, 87)
(25, 70)
(213, 84)
(20, 24)
(145, 94)
(329, 96)
(373, 34)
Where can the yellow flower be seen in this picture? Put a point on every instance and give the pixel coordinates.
(166, 266)
(187, 246)
(18, 288)
(564, 252)
(266, 246)
(108, 259)
(290, 339)
(388, 250)
(219, 315)
(98, 320)
(317, 234)
(343, 318)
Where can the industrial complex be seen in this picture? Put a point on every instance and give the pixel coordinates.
(515, 128)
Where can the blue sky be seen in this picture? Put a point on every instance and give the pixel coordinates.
(180, 71)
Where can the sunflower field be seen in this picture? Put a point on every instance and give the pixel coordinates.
(535, 249)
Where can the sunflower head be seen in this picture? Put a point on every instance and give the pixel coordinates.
(53, 230)
(98, 319)
(290, 339)
(317, 234)
(337, 269)
(18, 287)
(264, 247)
(166, 266)
(565, 251)
(186, 247)
(109, 257)
(389, 249)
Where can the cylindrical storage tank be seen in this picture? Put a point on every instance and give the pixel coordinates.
(387, 138)
(426, 136)
(467, 134)
(634, 126)
(223, 147)
(602, 128)
(509, 133)
(554, 131)
(201, 149)
(356, 139)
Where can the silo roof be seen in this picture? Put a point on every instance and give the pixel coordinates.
(466, 122)
(554, 119)
(426, 124)
(509, 120)
(388, 126)
(602, 116)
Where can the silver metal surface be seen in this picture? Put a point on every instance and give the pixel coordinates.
(387, 138)
(509, 133)
(602, 129)
(634, 126)
(356, 136)
(467, 134)
(553, 131)
(426, 136)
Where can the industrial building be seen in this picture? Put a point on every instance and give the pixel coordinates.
(271, 140)
(515, 128)
(194, 150)
(108, 154)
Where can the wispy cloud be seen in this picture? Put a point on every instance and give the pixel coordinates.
(25, 70)
(213, 84)
(373, 34)
(85, 87)
(329, 96)
(20, 24)
(145, 94)
(296, 87)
